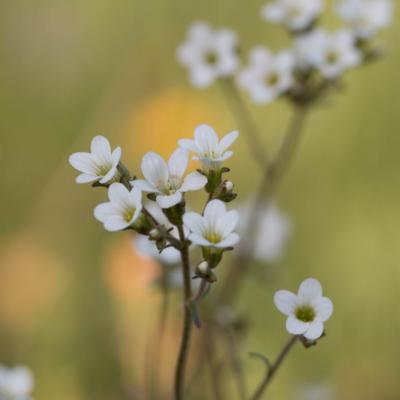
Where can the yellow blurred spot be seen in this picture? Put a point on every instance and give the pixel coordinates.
(30, 280)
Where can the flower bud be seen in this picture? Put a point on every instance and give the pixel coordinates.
(203, 268)
(228, 186)
(155, 234)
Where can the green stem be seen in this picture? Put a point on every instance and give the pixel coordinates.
(245, 120)
(274, 368)
(187, 321)
(271, 179)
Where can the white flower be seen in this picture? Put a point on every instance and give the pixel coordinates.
(330, 53)
(208, 54)
(208, 148)
(294, 14)
(271, 233)
(307, 311)
(366, 17)
(215, 228)
(167, 181)
(15, 383)
(268, 75)
(98, 165)
(122, 210)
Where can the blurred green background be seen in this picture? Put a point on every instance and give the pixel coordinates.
(76, 303)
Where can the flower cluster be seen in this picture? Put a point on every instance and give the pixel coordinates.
(155, 206)
(304, 72)
(15, 383)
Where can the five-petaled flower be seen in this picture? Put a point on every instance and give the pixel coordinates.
(122, 210)
(307, 311)
(330, 53)
(294, 14)
(214, 228)
(366, 17)
(268, 75)
(100, 165)
(208, 149)
(167, 181)
(208, 54)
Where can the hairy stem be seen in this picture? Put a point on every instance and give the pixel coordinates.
(187, 322)
(271, 178)
(274, 368)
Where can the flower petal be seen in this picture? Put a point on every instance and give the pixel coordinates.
(144, 186)
(323, 309)
(116, 223)
(199, 240)
(214, 210)
(155, 170)
(83, 162)
(227, 223)
(227, 141)
(309, 290)
(295, 326)
(206, 139)
(119, 195)
(195, 222)
(104, 211)
(86, 178)
(177, 163)
(314, 331)
(285, 301)
(101, 150)
(229, 241)
(193, 181)
(188, 144)
(168, 201)
(109, 175)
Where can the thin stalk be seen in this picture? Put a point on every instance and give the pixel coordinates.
(274, 368)
(187, 321)
(272, 177)
(245, 120)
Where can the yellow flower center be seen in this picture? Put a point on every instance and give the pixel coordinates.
(272, 79)
(331, 57)
(213, 237)
(129, 215)
(211, 58)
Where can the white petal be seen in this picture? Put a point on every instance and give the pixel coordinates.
(177, 163)
(104, 211)
(83, 162)
(227, 141)
(168, 201)
(110, 174)
(227, 223)
(195, 222)
(285, 301)
(206, 139)
(226, 155)
(202, 76)
(116, 155)
(135, 197)
(229, 241)
(116, 223)
(193, 181)
(188, 144)
(314, 331)
(295, 326)
(323, 309)
(118, 194)
(144, 186)
(214, 210)
(155, 170)
(100, 148)
(309, 290)
(199, 240)
(86, 178)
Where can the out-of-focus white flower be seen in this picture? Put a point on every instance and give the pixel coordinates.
(215, 228)
(208, 54)
(268, 75)
(366, 17)
(122, 210)
(167, 181)
(271, 233)
(295, 15)
(307, 311)
(330, 53)
(169, 256)
(98, 165)
(208, 148)
(315, 391)
(15, 383)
